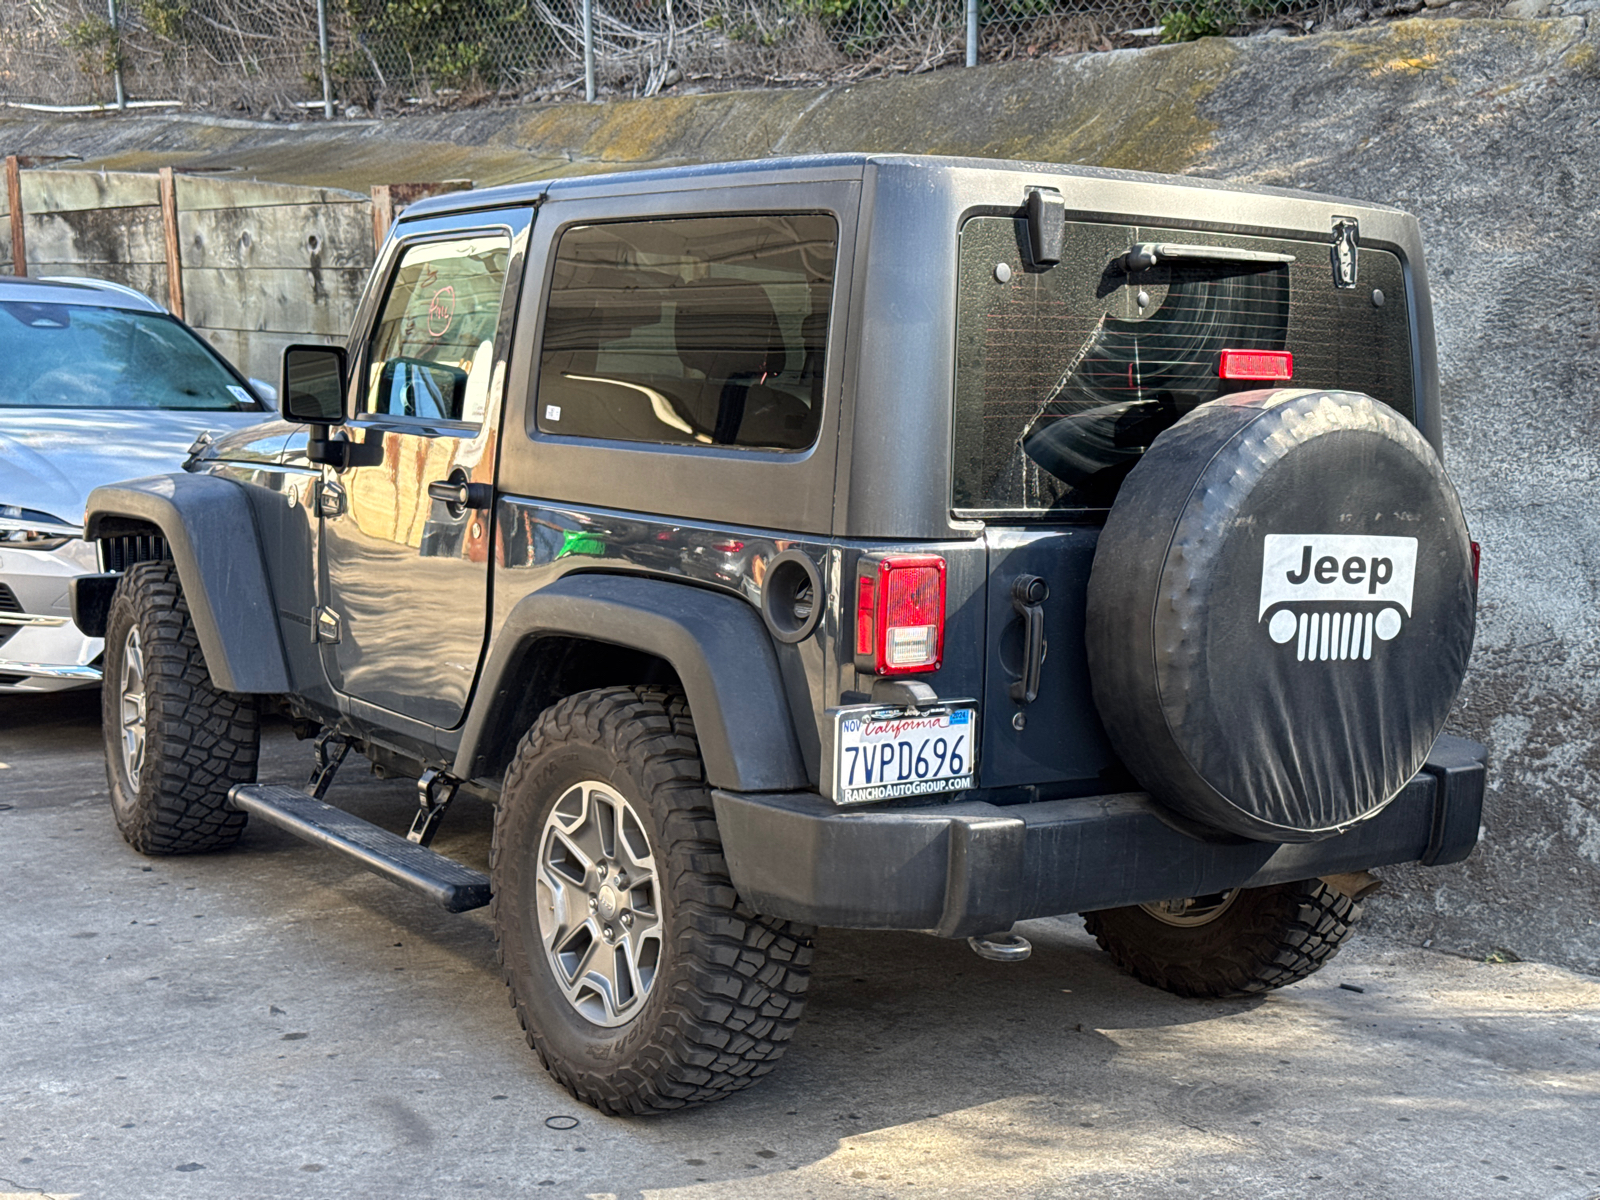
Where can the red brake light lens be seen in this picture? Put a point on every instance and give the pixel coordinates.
(900, 615)
(1477, 561)
(1256, 364)
(866, 615)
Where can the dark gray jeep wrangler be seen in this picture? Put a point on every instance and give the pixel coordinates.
(879, 542)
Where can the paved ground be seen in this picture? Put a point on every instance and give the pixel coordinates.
(271, 1023)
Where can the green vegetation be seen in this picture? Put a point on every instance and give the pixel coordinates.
(165, 18)
(449, 42)
(1191, 19)
(97, 44)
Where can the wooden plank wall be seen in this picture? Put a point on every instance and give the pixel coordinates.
(268, 264)
(262, 264)
(105, 225)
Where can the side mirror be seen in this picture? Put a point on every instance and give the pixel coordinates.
(313, 383)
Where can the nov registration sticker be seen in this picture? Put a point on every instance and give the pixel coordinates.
(888, 753)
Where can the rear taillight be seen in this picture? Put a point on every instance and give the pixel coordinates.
(1477, 561)
(900, 614)
(1255, 364)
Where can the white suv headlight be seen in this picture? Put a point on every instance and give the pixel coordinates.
(27, 529)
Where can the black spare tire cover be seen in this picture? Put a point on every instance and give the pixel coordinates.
(1280, 612)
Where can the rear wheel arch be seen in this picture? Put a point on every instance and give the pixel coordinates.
(711, 645)
(544, 670)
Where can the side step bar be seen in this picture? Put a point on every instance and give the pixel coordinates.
(456, 887)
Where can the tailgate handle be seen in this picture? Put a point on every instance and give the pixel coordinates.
(1145, 255)
(1028, 594)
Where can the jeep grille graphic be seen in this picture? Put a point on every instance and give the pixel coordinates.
(1334, 635)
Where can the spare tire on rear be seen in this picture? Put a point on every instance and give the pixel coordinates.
(1280, 612)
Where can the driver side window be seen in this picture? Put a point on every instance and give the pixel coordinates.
(432, 354)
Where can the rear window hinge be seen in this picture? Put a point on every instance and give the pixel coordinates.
(1346, 252)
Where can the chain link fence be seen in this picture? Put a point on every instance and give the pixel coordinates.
(263, 57)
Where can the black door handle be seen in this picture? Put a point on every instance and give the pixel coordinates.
(1028, 594)
(459, 495)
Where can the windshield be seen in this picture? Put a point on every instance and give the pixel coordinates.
(81, 356)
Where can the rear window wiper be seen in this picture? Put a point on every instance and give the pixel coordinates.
(1145, 255)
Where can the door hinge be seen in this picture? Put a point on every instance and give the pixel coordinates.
(328, 625)
(330, 499)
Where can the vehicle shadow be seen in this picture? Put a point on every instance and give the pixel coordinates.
(49, 723)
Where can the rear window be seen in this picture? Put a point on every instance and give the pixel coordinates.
(706, 331)
(1064, 376)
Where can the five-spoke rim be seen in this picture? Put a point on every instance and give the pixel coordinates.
(599, 903)
(132, 705)
(1192, 911)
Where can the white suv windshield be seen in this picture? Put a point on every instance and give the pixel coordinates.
(81, 356)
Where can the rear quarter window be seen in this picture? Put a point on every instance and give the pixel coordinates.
(707, 331)
(1065, 375)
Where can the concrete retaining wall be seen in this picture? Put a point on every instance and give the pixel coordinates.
(1488, 130)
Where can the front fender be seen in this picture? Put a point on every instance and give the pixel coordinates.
(717, 644)
(213, 540)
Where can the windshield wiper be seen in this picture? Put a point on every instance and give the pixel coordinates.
(1145, 255)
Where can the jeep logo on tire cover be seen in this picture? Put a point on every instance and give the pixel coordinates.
(1342, 592)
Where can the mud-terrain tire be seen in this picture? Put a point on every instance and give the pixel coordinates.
(1263, 939)
(169, 793)
(726, 987)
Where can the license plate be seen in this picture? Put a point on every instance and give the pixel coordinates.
(887, 753)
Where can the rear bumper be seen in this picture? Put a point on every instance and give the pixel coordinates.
(972, 868)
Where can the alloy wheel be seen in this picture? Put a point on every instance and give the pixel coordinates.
(599, 903)
(1192, 911)
(132, 707)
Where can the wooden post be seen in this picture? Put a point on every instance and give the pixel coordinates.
(390, 199)
(382, 214)
(169, 225)
(19, 251)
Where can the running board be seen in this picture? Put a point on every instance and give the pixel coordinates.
(457, 887)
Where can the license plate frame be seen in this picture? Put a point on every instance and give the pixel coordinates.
(909, 730)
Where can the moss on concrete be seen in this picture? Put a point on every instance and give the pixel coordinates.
(1135, 109)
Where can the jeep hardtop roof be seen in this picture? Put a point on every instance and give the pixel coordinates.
(820, 167)
(901, 221)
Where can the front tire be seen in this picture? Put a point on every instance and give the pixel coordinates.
(660, 990)
(1238, 943)
(174, 743)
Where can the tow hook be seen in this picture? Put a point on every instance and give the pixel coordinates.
(1001, 947)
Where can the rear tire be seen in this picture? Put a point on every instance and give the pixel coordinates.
(1254, 941)
(663, 990)
(174, 743)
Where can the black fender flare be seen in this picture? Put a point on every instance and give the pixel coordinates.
(212, 537)
(716, 643)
